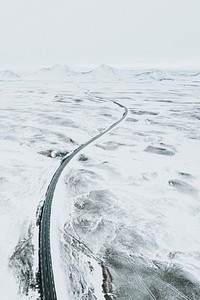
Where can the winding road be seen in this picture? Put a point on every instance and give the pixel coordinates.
(47, 284)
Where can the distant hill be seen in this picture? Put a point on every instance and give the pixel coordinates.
(63, 72)
(54, 72)
(156, 75)
(103, 72)
(8, 75)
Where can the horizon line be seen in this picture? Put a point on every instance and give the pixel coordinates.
(114, 65)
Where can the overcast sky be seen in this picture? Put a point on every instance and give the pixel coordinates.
(37, 33)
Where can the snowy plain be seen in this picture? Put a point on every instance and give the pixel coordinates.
(129, 202)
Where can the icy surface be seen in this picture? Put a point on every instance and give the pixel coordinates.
(129, 202)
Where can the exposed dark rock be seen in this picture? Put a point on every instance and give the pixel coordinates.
(159, 150)
(143, 112)
(61, 153)
(83, 157)
(182, 186)
(131, 120)
(47, 153)
(21, 262)
(186, 175)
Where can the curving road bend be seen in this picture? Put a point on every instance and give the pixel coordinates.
(47, 284)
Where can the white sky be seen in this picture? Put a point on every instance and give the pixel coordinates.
(37, 33)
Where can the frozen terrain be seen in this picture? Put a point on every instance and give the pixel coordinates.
(8, 75)
(126, 212)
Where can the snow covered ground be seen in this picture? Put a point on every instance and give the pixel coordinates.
(128, 205)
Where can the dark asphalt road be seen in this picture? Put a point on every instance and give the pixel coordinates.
(45, 262)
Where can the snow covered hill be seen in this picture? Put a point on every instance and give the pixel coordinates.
(54, 72)
(156, 75)
(103, 72)
(63, 72)
(8, 75)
